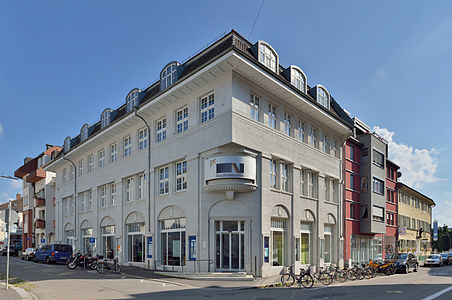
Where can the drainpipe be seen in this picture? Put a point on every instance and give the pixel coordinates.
(75, 196)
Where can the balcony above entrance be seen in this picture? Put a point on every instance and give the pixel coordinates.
(231, 173)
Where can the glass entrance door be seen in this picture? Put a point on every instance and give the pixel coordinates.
(230, 245)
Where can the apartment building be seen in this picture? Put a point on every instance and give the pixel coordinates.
(16, 234)
(230, 162)
(390, 240)
(415, 213)
(38, 199)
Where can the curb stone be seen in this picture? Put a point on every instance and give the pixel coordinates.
(24, 295)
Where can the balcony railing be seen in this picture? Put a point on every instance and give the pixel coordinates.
(40, 223)
(40, 202)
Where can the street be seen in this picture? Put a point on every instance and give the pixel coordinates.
(56, 282)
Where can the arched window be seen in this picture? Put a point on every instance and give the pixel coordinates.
(298, 79)
(168, 76)
(267, 56)
(323, 97)
(84, 132)
(105, 118)
(67, 144)
(132, 99)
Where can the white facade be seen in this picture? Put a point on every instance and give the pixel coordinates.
(256, 221)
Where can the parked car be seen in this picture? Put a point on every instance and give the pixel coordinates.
(445, 258)
(405, 262)
(433, 260)
(53, 253)
(12, 250)
(28, 254)
(450, 258)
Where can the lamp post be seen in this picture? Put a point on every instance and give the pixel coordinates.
(9, 231)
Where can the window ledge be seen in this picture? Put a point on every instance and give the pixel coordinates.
(332, 203)
(308, 197)
(180, 191)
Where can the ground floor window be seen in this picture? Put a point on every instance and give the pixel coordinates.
(278, 240)
(328, 243)
(172, 234)
(86, 234)
(69, 237)
(364, 248)
(306, 243)
(108, 241)
(135, 242)
(230, 245)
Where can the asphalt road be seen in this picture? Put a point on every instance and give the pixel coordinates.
(58, 282)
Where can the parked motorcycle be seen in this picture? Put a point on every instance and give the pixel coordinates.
(85, 261)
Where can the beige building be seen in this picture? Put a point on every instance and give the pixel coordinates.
(415, 213)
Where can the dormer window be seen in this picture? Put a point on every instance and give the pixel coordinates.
(298, 79)
(84, 132)
(267, 56)
(132, 99)
(323, 98)
(67, 144)
(168, 76)
(105, 118)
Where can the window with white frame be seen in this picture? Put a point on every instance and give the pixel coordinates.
(103, 196)
(181, 176)
(127, 146)
(287, 124)
(67, 144)
(322, 97)
(163, 180)
(332, 190)
(142, 138)
(303, 183)
(378, 158)
(267, 57)
(113, 152)
(378, 186)
(324, 142)
(297, 79)
(207, 108)
(141, 186)
(182, 119)
(306, 242)
(169, 76)
(301, 131)
(254, 107)
(285, 177)
(278, 240)
(89, 195)
(113, 193)
(90, 163)
(128, 188)
(105, 118)
(313, 184)
(314, 137)
(101, 156)
(80, 167)
(335, 149)
(272, 116)
(132, 100)
(378, 213)
(84, 132)
(161, 130)
(273, 174)
(81, 198)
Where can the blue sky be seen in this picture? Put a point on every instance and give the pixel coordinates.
(387, 62)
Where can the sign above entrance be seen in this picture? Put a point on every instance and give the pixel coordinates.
(234, 166)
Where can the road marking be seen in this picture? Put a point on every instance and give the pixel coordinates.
(436, 295)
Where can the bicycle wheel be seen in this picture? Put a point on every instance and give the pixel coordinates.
(326, 278)
(101, 267)
(367, 273)
(117, 268)
(287, 280)
(307, 281)
(374, 272)
(341, 276)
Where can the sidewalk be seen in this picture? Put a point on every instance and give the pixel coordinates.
(13, 293)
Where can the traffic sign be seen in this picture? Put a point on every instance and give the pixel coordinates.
(435, 230)
(5, 213)
(92, 240)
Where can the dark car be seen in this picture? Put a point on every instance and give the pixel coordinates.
(53, 253)
(28, 254)
(445, 257)
(12, 250)
(405, 262)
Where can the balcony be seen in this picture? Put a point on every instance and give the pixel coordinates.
(36, 175)
(40, 223)
(40, 202)
(27, 168)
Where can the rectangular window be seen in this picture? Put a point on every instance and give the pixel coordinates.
(163, 181)
(181, 176)
(113, 152)
(273, 174)
(129, 189)
(378, 186)
(314, 143)
(127, 146)
(81, 198)
(313, 184)
(272, 116)
(301, 133)
(112, 193)
(101, 157)
(324, 142)
(352, 153)
(90, 163)
(141, 185)
(352, 211)
(80, 167)
(278, 241)
(255, 107)
(378, 213)
(303, 183)
(287, 124)
(306, 234)
(378, 158)
(388, 195)
(352, 182)
(142, 138)
(90, 199)
(64, 175)
(285, 177)
(207, 108)
(161, 130)
(71, 172)
(182, 119)
(103, 195)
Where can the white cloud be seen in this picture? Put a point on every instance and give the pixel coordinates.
(16, 185)
(418, 166)
(1, 129)
(443, 213)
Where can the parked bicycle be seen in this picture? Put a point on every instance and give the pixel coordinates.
(303, 279)
(108, 264)
(338, 274)
(321, 275)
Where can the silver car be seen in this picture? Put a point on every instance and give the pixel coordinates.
(433, 260)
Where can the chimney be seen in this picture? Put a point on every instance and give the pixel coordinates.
(18, 196)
